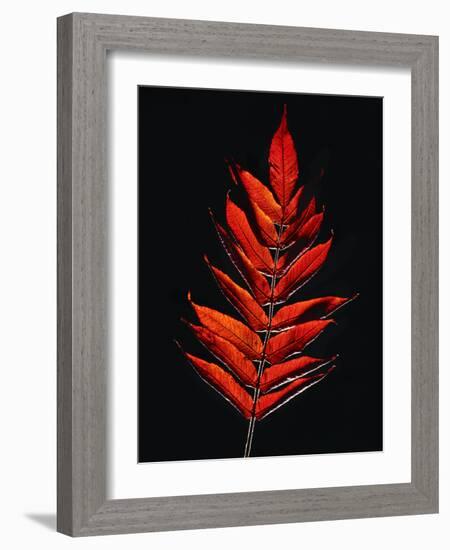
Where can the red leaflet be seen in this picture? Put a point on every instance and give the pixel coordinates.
(227, 353)
(289, 235)
(242, 300)
(224, 383)
(271, 401)
(247, 341)
(283, 163)
(301, 271)
(291, 211)
(270, 239)
(282, 373)
(304, 237)
(242, 232)
(309, 211)
(254, 279)
(294, 340)
(267, 233)
(259, 194)
(301, 312)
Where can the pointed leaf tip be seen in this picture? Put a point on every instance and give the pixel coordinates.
(223, 382)
(283, 163)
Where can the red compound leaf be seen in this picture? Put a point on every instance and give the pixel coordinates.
(271, 238)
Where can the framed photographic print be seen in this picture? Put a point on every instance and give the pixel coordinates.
(247, 274)
(285, 259)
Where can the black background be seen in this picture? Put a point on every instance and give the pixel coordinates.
(184, 137)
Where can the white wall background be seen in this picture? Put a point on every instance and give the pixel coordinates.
(28, 271)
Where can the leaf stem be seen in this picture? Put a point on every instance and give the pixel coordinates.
(257, 391)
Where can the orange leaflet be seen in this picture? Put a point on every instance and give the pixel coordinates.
(247, 341)
(291, 211)
(282, 373)
(269, 402)
(259, 194)
(304, 237)
(255, 280)
(242, 300)
(267, 234)
(258, 254)
(302, 270)
(224, 383)
(283, 163)
(301, 312)
(227, 353)
(289, 235)
(294, 340)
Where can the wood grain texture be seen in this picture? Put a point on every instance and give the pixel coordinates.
(424, 280)
(83, 40)
(64, 298)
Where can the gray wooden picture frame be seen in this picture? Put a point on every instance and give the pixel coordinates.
(83, 41)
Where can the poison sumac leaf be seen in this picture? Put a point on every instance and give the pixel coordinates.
(271, 238)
